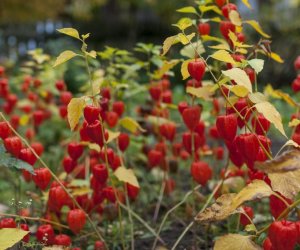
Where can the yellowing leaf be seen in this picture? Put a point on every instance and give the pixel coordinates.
(164, 69)
(204, 92)
(284, 173)
(169, 41)
(75, 108)
(126, 175)
(287, 98)
(185, 39)
(221, 46)
(238, 90)
(276, 57)
(239, 76)
(223, 56)
(24, 120)
(256, 64)
(184, 23)
(257, 27)
(294, 123)
(271, 114)
(92, 146)
(157, 120)
(92, 53)
(10, 236)
(246, 2)
(63, 57)
(184, 69)
(81, 191)
(235, 242)
(190, 50)
(257, 97)
(211, 38)
(188, 9)
(235, 18)
(70, 32)
(214, 8)
(112, 135)
(130, 124)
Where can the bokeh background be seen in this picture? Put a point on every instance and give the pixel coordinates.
(26, 25)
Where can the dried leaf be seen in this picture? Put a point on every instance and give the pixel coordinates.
(239, 76)
(284, 172)
(75, 108)
(271, 114)
(126, 175)
(235, 242)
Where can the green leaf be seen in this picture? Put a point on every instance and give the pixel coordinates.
(64, 56)
(184, 23)
(10, 236)
(10, 162)
(70, 32)
(188, 9)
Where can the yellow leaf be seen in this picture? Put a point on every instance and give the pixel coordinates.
(216, 19)
(257, 27)
(184, 69)
(235, 18)
(276, 57)
(271, 114)
(246, 2)
(185, 39)
(164, 69)
(183, 23)
(204, 92)
(239, 76)
(126, 175)
(130, 124)
(284, 173)
(70, 32)
(112, 135)
(64, 56)
(24, 120)
(10, 236)
(256, 64)
(294, 123)
(92, 53)
(169, 41)
(53, 247)
(92, 146)
(214, 8)
(75, 108)
(221, 46)
(223, 56)
(235, 242)
(81, 191)
(238, 90)
(287, 98)
(257, 97)
(188, 9)
(211, 38)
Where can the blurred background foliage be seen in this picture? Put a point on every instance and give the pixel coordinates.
(25, 25)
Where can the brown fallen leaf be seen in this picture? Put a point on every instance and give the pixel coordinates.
(235, 242)
(284, 173)
(228, 204)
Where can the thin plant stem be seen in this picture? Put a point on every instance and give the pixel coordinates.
(54, 176)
